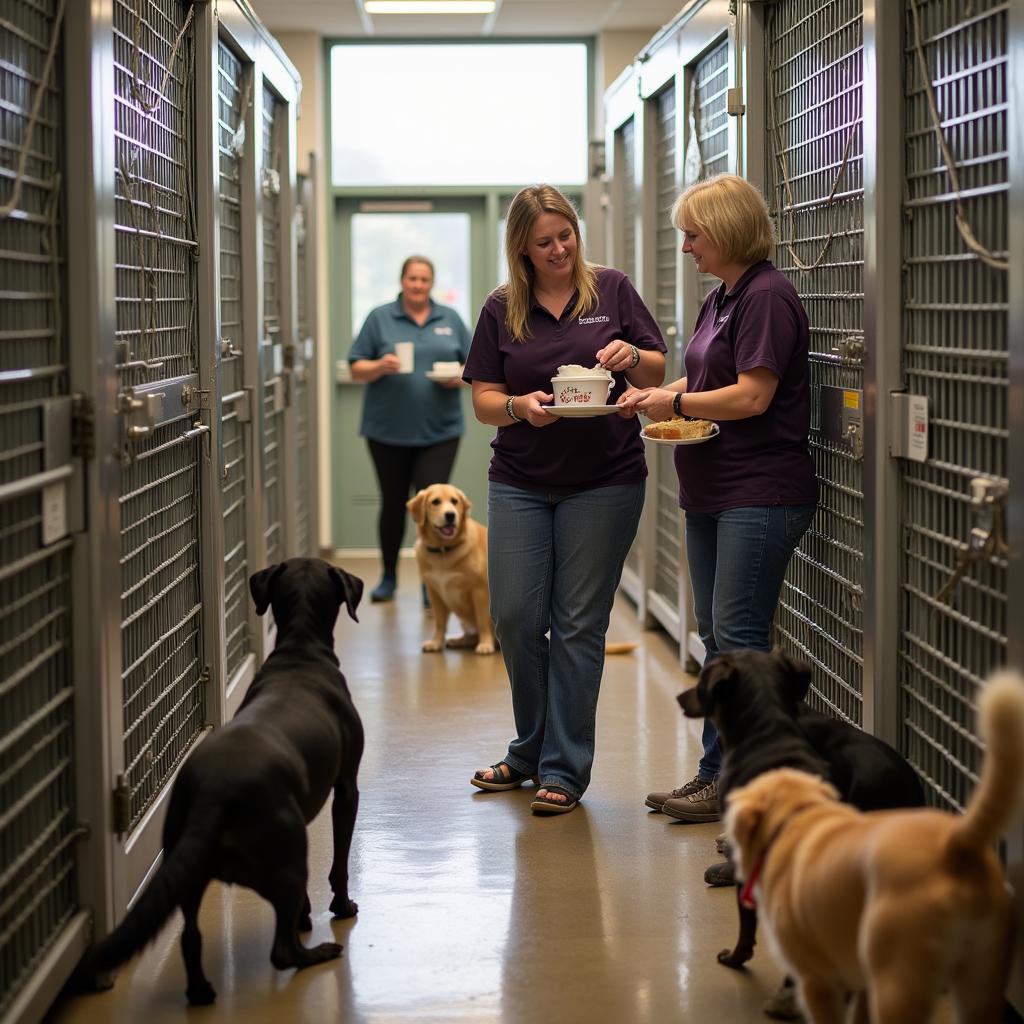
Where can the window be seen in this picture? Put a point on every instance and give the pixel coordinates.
(458, 114)
(382, 241)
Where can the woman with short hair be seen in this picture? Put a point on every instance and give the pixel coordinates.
(750, 493)
(565, 495)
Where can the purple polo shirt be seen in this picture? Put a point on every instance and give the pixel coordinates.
(760, 460)
(572, 454)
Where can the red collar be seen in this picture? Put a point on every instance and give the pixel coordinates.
(747, 897)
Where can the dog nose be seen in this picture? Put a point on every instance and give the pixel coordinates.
(449, 517)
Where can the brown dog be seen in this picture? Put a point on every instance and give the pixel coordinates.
(451, 551)
(892, 906)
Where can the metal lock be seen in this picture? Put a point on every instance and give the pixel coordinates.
(988, 497)
(141, 414)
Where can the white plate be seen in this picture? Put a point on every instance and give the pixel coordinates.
(680, 440)
(442, 378)
(580, 410)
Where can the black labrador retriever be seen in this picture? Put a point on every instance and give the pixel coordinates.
(240, 805)
(756, 701)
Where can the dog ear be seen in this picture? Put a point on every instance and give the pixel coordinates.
(416, 504)
(795, 675)
(466, 503)
(743, 819)
(350, 589)
(261, 585)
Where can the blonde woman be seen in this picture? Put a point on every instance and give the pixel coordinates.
(565, 495)
(750, 494)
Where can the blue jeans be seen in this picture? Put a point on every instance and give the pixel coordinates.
(738, 560)
(554, 563)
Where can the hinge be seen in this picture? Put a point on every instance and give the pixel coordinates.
(122, 809)
(83, 426)
(734, 105)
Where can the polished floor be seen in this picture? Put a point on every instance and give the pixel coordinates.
(471, 908)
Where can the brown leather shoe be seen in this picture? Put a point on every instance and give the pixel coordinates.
(697, 806)
(657, 800)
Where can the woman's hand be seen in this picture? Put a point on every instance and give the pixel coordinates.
(654, 403)
(616, 356)
(626, 409)
(388, 364)
(531, 409)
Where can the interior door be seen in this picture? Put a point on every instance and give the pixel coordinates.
(373, 239)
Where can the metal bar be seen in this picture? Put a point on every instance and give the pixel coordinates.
(34, 483)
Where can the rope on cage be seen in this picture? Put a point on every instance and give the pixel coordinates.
(963, 225)
(26, 143)
(781, 159)
(137, 85)
(147, 279)
(50, 244)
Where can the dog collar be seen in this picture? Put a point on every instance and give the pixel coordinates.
(747, 897)
(442, 551)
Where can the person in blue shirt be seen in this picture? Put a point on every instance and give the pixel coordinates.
(411, 423)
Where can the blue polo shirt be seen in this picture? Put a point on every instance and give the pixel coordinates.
(573, 454)
(759, 460)
(406, 408)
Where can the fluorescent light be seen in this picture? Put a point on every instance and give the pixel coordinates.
(428, 6)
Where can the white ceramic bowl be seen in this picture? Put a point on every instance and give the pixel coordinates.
(581, 390)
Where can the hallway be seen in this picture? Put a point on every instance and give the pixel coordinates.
(471, 908)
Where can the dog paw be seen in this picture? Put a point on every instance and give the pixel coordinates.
(200, 994)
(342, 907)
(462, 643)
(484, 647)
(783, 1005)
(432, 645)
(734, 958)
(320, 954)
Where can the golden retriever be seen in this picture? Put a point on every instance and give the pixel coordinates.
(891, 906)
(451, 551)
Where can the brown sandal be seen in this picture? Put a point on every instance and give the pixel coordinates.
(545, 805)
(505, 777)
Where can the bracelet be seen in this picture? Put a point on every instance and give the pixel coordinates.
(677, 406)
(509, 411)
(636, 358)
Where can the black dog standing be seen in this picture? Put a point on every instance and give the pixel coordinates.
(240, 806)
(756, 701)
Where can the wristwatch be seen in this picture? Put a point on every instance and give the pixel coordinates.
(677, 404)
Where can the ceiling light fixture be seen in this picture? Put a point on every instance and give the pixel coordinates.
(428, 6)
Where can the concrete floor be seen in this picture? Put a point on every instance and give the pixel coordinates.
(471, 908)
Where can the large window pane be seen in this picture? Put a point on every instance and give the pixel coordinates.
(459, 114)
(382, 241)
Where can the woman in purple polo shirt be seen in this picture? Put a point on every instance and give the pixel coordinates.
(565, 495)
(750, 494)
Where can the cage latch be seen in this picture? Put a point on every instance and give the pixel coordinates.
(122, 805)
(141, 413)
(988, 535)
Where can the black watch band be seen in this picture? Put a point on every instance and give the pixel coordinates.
(676, 404)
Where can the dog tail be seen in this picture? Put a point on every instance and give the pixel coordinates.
(181, 871)
(991, 807)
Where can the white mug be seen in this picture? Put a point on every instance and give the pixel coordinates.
(404, 351)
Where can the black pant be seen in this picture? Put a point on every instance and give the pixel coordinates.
(401, 469)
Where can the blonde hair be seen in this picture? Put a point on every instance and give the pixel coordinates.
(732, 213)
(524, 209)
